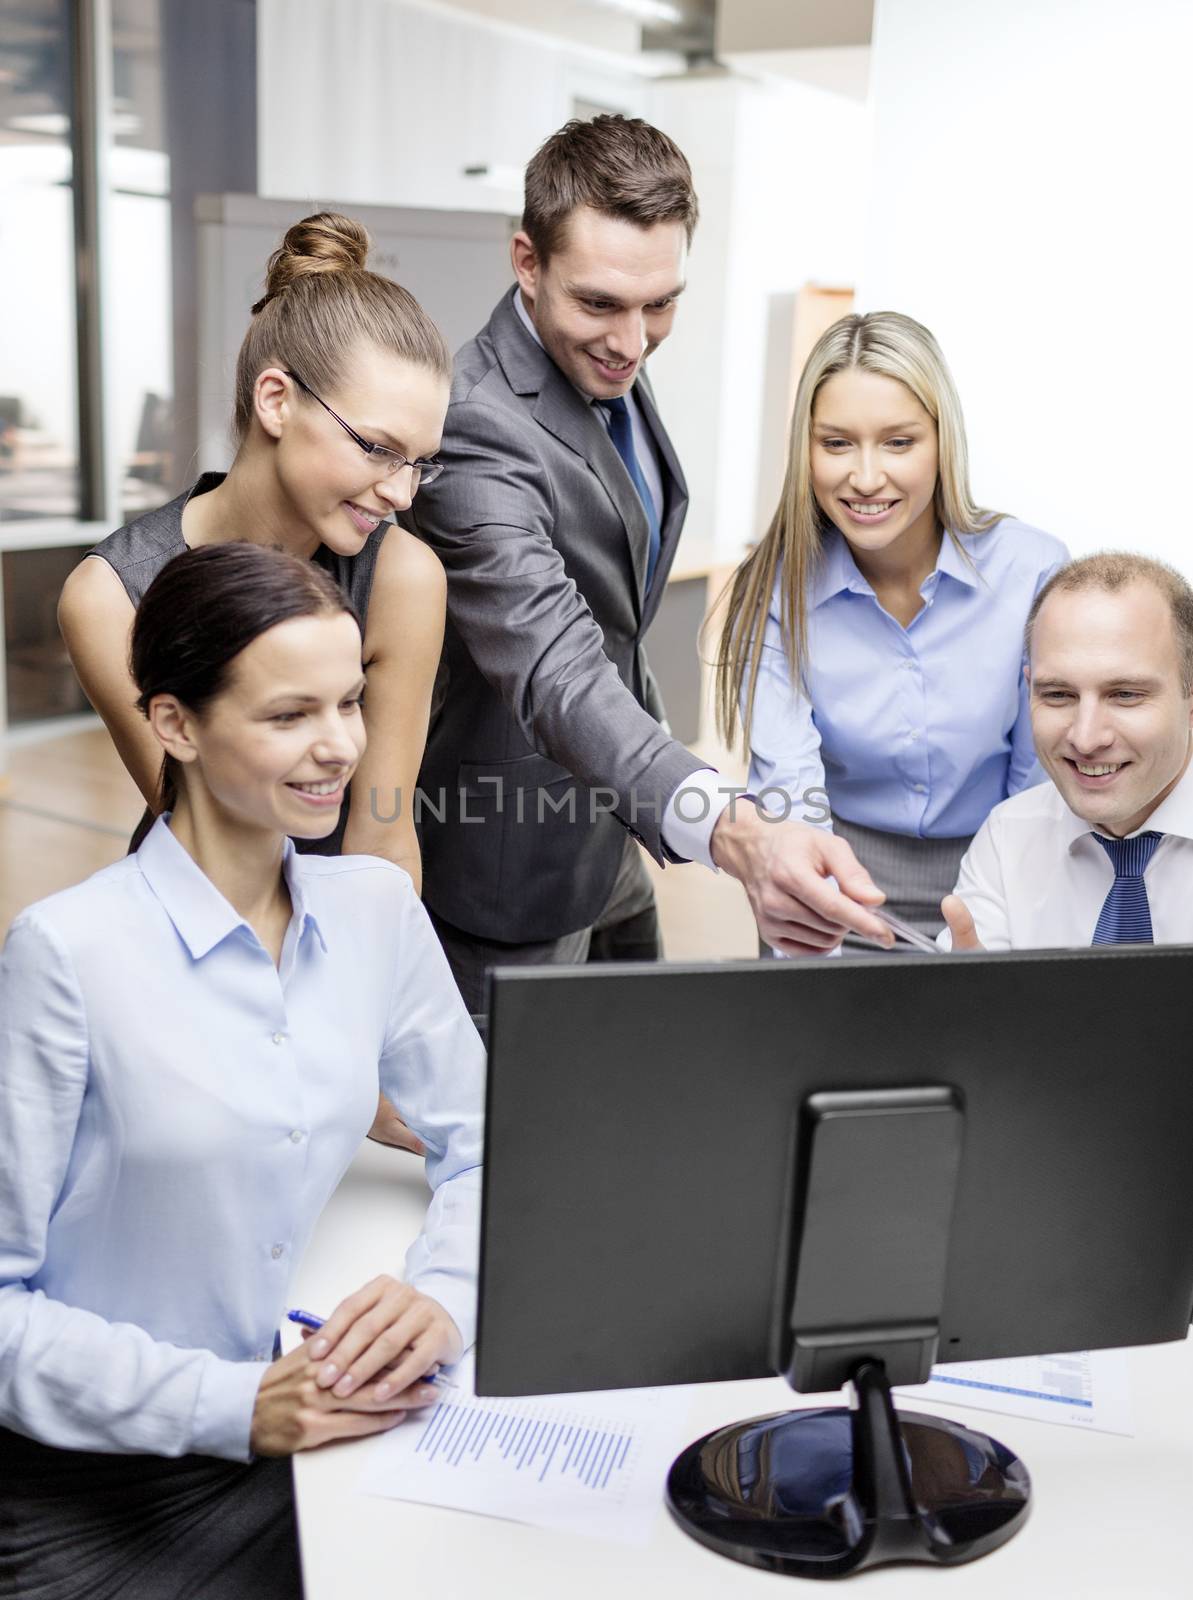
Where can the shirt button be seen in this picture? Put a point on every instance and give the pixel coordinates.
(277, 1251)
(279, 1038)
(920, 788)
(913, 736)
(295, 1136)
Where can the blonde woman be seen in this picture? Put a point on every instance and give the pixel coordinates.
(872, 644)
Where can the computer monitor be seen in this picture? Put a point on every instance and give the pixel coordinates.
(838, 1171)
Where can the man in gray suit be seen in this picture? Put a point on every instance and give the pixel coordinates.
(548, 760)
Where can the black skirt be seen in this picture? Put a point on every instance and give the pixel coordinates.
(76, 1525)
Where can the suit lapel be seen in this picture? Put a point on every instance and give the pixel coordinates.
(677, 488)
(675, 493)
(560, 409)
(573, 421)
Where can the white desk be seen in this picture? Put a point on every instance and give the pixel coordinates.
(1110, 1517)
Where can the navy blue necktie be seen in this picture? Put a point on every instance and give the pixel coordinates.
(1126, 917)
(621, 431)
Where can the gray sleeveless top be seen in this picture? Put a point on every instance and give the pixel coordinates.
(138, 552)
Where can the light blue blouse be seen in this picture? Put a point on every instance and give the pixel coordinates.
(175, 1111)
(920, 730)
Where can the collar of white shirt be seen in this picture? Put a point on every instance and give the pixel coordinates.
(1173, 816)
(192, 902)
(838, 570)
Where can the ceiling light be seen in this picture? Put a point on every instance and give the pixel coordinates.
(655, 11)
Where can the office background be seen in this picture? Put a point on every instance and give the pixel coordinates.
(1013, 174)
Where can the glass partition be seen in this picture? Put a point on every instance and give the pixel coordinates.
(38, 406)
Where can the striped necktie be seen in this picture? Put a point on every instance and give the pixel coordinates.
(621, 431)
(1126, 917)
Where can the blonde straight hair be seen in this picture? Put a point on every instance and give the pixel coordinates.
(897, 347)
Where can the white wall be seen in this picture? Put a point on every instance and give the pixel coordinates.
(1029, 203)
(386, 101)
(778, 168)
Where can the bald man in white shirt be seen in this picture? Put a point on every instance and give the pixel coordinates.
(1104, 853)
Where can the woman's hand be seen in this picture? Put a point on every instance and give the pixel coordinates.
(387, 1331)
(388, 1128)
(293, 1413)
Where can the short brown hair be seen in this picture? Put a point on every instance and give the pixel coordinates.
(620, 166)
(1113, 570)
(320, 302)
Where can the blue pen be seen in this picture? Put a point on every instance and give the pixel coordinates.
(308, 1319)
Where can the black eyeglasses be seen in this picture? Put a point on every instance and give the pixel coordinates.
(390, 461)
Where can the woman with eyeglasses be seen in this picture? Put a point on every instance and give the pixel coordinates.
(341, 391)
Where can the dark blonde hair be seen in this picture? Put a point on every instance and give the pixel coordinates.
(1112, 570)
(319, 303)
(619, 166)
(898, 347)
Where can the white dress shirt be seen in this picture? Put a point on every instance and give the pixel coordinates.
(175, 1111)
(1036, 878)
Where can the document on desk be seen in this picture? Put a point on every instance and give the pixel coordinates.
(587, 1463)
(1082, 1389)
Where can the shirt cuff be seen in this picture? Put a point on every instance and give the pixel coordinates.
(455, 1294)
(224, 1408)
(692, 813)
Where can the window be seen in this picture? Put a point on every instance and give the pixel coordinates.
(39, 457)
(137, 291)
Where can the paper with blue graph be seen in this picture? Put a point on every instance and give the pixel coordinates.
(1082, 1388)
(588, 1463)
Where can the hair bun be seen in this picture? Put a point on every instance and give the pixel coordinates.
(325, 242)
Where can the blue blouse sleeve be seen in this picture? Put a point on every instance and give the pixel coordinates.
(154, 1398)
(784, 742)
(1025, 770)
(433, 1067)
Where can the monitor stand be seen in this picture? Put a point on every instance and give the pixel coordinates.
(821, 1493)
(824, 1492)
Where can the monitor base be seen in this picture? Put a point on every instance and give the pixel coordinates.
(824, 1493)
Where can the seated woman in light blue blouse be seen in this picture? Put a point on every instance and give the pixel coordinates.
(890, 611)
(191, 1047)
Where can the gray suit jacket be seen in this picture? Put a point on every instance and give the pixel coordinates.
(545, 741)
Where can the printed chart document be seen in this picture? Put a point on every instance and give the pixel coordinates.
(1082, 1389)
(589, 1463)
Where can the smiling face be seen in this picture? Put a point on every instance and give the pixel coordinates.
(332, 490)
(874, 461)
(606, 298)
(276, 748)
(1110, 718)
